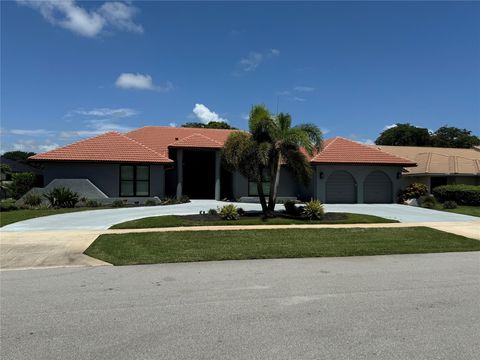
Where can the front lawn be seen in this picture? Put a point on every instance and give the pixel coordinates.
(167, 247)
(209, 220)
(462, 209)
(12, 216)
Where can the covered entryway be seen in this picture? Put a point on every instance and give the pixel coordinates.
(341, 188)
(378, 188)
(199, 174)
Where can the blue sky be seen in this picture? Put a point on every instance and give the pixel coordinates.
(75, 69)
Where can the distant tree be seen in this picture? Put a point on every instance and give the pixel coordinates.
(448, 136)
(18, 155)
(404, 135)
(210, 125)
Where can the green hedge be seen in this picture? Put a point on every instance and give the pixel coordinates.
(461, 194)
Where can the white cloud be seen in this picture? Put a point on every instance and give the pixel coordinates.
(31, 132)
(304, 88)
(34, 146)
(386, 127)
(89, 23)
(205, 115)
(253, 60)
(104, 112)
(173, 124)
(95, 127)
(120, 16)
(140, 82)
(296, 98)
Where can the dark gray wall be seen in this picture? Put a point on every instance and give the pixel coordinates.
(289, 186)
(104, 175)
(359, 172)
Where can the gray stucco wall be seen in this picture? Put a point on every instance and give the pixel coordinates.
(105, 176)
(359, 172)
(288, 187)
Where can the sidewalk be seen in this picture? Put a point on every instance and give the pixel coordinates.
(40, 249)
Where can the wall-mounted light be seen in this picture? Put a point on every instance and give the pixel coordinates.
(320, 175)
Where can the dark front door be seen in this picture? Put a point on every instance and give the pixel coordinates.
(199, 174)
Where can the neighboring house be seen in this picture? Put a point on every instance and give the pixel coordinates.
(439, 166)
(164, 161)
(16, 167)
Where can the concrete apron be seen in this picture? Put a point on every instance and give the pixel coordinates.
(45, 249)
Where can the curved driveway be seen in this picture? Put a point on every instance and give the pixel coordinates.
(105, 218)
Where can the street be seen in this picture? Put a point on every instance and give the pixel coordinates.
(381, 307)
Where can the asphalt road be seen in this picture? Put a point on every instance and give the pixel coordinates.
(382, 307)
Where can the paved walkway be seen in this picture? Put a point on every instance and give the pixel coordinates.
(105, 218)
(21, 250)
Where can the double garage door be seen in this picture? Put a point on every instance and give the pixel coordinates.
(342, 188)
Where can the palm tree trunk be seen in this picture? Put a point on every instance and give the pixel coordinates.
(274, 182)
(261, 197)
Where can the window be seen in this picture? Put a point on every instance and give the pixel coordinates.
(252, 187)
(134, 180)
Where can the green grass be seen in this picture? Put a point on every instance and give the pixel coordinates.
(462, 209)
(167, 247)
(13, 216)
(177, 220)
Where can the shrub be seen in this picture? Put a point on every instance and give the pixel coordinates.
(61, 197)
(7, 205)
(241, 212)
(212, 212)
(33, 199)
(290, 207)
(118, 203)
(313, 210)
(21, 183)
(184, 199)
(412, 191)
(461, 194)
(427, 201)
(449, 204)
(92, 203)
(151, 202)
(228, 212)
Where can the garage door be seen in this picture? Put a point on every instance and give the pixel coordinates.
(341, 188)
(378, 188)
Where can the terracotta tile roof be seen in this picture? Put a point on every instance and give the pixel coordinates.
(159, 138)
(197, 141)
(108, 147)
(344, 151)
(438, 161)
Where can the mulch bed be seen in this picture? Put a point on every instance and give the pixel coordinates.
(258, 214)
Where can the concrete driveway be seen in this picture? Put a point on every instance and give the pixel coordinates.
(405, 307)
(60, 240)
(103, 219)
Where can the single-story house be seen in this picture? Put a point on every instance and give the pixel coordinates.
(156, 161)
(438, 166)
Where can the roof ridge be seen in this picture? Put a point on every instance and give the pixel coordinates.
(196, 134)
(429, 160)
(374, 148)
(145, 146)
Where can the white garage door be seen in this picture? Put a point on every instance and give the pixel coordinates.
(341, 188)
(378, 188)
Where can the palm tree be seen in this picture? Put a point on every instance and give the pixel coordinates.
(270, 143)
